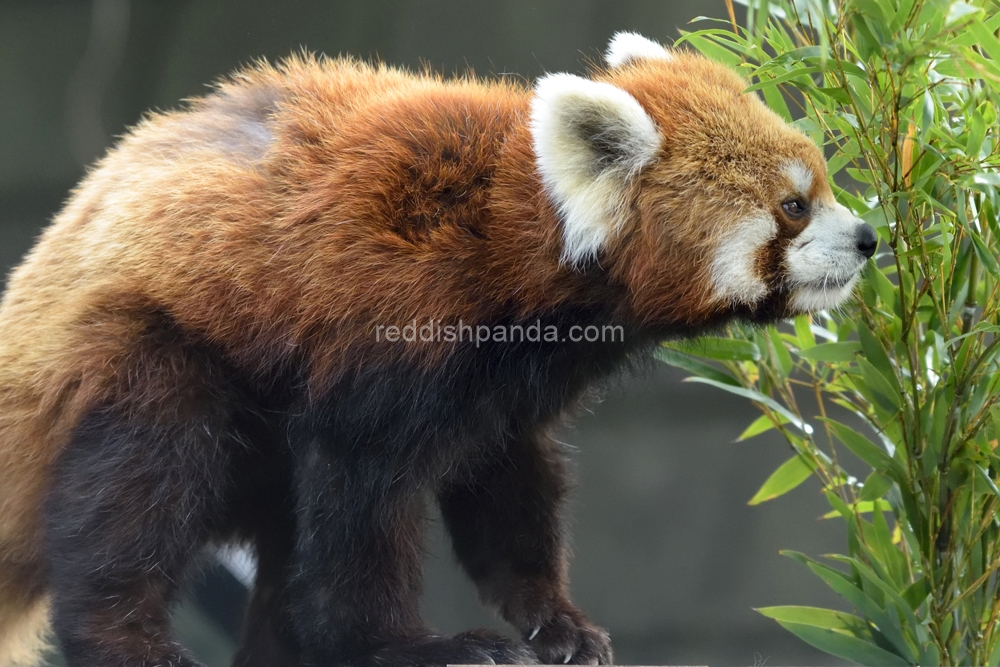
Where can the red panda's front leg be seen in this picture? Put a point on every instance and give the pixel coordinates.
(507, 529)
(356, 567)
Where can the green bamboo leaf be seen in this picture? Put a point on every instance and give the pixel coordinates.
(838, 162)
(866, 450)
(984, 360)
(837, 621)
(874, 352)
(883, 287)
(886, 620)
(838, 94)
(929, 655)
(703, 42)
(902, 12)
(985, 39)
(986, 257)
(880, 540)
(865, 40)
(853, 523)
(840, 584)
(853, 70)
(803, 331)
(722, 349)
(759, 398)
(885, 412)
(874, 10)
(891, 594)
(796, 76)
(862, 507)
(760, 425)
(779, 353)
(878, 383)
(976, 127)
(789, 475)
(797, 55)
(994, 656)
(843, 646)
(990, 64)
(832, 352)
(849, 199)
(687, 362)
(983, 475)
(916, 594)
(941, 399)
(875, 486)
(776, 101)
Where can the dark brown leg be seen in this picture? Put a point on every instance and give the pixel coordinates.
(127, 515)
(508, 532)
(356, 573)
(133, 498)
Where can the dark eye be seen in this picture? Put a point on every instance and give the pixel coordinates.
(795, 208)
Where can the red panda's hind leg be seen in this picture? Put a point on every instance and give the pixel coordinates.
(135, 494)
(508, 531)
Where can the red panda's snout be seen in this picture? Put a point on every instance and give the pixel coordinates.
(705, 204)
(824, 261)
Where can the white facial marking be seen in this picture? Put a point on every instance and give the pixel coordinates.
(823, 261)
(567, 114)
(734, 272)
(626, 46)
(800, 176)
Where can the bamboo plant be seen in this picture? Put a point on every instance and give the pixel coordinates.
(904, 96)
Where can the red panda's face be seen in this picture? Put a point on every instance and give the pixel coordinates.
(701, 201)
(826, 246)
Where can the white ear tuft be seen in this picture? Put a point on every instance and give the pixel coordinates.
(590, 138)
(626, 46)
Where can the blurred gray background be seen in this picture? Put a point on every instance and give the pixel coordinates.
(669, 557)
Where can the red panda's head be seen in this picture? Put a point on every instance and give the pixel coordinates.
(703, 203)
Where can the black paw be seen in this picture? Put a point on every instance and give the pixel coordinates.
(477, 647)
(567, 638)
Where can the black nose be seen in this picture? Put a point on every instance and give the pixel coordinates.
(867, 239)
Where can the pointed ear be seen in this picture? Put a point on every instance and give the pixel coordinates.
(625, 47)
(590, 138)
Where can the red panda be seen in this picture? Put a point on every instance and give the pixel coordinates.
(204, 346)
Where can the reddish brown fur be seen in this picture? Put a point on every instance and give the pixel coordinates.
(287, 215)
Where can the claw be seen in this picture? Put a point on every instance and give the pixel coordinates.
(569, 656)
(534, 633)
